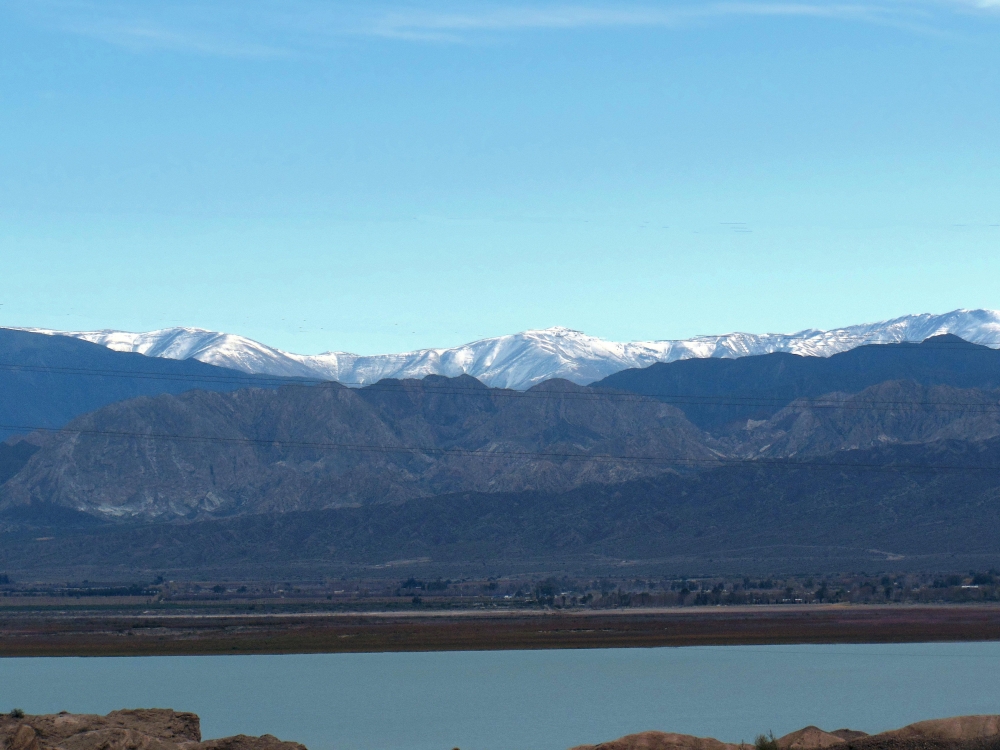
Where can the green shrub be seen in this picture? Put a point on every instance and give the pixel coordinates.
(765, 742)
(17, 714)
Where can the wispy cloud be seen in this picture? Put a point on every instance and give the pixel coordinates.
(462, 22)
(266, 28)
(417, 23)
(987, 5)
(465, 22)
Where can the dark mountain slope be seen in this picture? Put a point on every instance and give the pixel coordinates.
(923, 507)
(45, 381)
(714, 393)
(13, 457)
(205, 454)
(296, 448)
(897, 411)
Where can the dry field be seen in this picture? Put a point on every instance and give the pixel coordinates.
(64, 632)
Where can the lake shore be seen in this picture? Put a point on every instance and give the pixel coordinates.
(64, 632)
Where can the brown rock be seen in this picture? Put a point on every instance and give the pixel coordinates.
(849, 734)
(159, 722)
(24, 739)
(809, 738)
(115, 739)
(119, 729)
(955, 728)
(243, 742)
(660, 741)
(957, 733)
(139, 729)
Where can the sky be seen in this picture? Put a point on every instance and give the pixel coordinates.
(384, 176)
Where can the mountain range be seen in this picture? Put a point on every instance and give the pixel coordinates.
(881, 453)
(203, 454)
(524, 359)
(45, 381)
(905, 507)
(715, 392)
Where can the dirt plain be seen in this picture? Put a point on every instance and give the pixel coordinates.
(61, 632)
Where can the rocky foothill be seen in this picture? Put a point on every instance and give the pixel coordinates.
(164, 729)
(957, 733)
(141, 729)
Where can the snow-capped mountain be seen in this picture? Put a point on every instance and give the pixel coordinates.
(523, 359)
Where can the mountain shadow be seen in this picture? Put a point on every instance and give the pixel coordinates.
(718, 393)
(46, 381)
(204, 454)
(921, 507)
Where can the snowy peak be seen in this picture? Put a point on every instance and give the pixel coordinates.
(221, 349)
(521, 360)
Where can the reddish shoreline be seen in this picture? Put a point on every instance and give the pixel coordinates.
(92, 634)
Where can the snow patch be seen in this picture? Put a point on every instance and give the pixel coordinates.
(521, 360)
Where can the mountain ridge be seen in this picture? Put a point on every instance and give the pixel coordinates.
(524, 359)
(204, 454)
(801, 516)
(714, 392)
(45, 381)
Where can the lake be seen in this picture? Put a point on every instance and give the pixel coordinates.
(502, 700)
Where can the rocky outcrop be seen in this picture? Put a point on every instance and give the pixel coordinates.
(957, 733)
(308, 448)
(849, 734)
(140, 729)
(810, 738)
(956, 728)
(660, 741)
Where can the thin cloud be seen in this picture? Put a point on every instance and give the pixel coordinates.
(470, 23)
(267, 29)
(987, 5)
(570, 17)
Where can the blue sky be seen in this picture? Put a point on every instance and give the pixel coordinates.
(383, 176)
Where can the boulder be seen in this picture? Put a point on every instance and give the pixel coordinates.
(137, 729)
(23, 738)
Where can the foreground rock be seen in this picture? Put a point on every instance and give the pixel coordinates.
(140, 729)
(957, 733)
(813, 738)
(660, 741)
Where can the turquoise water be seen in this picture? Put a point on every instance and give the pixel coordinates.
(504, 700)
